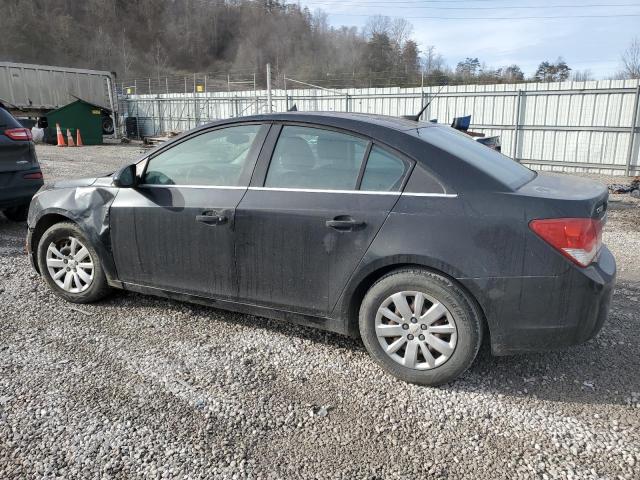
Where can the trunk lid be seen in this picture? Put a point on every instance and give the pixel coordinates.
(564, 196)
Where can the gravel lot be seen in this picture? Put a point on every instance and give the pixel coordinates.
(139, 387)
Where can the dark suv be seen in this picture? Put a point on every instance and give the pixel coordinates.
(20, 175)
(411, 235)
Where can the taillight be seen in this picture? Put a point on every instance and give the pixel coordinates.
(578, 239)
(33, 176)
(19, 134)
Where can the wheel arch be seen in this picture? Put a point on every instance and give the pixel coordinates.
(43, 223)
(349, 304)
(50, 217)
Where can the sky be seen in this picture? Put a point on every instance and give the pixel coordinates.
(594, 43)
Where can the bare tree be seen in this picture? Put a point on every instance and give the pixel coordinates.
(377, 25)
(582, 75)
(125, 52)
(631, 59)
(159, 58)
(399, 32)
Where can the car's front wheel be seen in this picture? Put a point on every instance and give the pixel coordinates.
(420, 326)
(71, 265)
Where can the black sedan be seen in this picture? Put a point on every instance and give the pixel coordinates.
(411, 235)
(20, 175)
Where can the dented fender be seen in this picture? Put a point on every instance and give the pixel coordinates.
(86, 202)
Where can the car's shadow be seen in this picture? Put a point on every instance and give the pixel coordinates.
(604, 370)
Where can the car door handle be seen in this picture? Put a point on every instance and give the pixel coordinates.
(344, 223)
(212, 218)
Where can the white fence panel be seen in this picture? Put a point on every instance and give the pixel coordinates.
(571, 126)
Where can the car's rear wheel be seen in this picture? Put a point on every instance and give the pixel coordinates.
(17, 214)
(420, 326)
(70, 264)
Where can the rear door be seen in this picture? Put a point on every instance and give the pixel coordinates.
(310, 215)
(175, 230)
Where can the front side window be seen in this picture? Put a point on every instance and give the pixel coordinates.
(384, 171)
(215, 158)
(314, 158)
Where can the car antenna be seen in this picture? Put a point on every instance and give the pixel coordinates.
(416, 118)
(293, 109)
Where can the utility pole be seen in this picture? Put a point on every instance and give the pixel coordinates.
(270, 105)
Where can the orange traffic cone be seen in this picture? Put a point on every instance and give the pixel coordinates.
(60, 137)
(79, 139)
(70, 139)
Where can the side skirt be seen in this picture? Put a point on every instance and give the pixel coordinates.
(322, 323)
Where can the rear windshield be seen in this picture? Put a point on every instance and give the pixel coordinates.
(499, 166)
(7, 121)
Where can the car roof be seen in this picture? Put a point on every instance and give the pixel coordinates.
(339, 119)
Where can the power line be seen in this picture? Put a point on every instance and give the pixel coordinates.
(422, 3)
(537, 17)
(504, 7)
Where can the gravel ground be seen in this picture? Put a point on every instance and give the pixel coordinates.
(139, 387)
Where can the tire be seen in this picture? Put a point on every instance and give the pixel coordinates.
(17, 214)
(457, 314)
(107, 125)
(61, 236)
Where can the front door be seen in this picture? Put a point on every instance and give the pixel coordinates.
(175, 230)
(302, 231)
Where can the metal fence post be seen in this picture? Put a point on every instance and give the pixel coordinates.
(160, 123)
(286, 94)
(269, 98)
(632, 132)
(195, 103)
(346, 102)
(516, 129)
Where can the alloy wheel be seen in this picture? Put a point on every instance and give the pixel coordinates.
(70, 264)
(416, 330)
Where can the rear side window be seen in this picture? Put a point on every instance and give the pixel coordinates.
(384, 171)
(494, 164)
(215, 158)
(314, 158)
(7, 120)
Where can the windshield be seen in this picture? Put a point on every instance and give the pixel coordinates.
(494, 164)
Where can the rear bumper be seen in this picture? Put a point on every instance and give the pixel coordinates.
(528, 314)
(16, 190)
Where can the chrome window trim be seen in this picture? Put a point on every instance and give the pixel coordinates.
(356, 192)
(441, 195)
(304, 190)
(219, 187)
(321, 190)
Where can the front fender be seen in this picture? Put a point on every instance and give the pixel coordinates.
(86, 206)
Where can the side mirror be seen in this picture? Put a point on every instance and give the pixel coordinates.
(125, 177)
